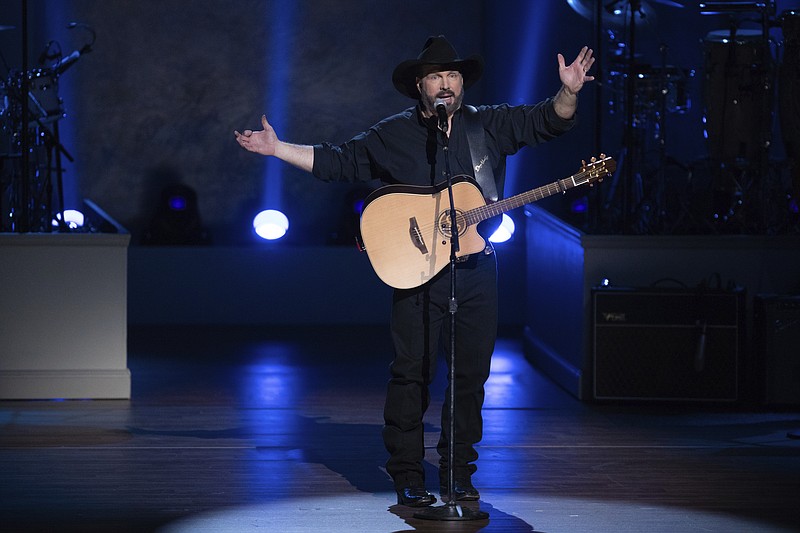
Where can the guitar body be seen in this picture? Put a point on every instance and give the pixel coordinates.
(405, 230)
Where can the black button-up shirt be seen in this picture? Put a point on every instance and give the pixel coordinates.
(406, 149)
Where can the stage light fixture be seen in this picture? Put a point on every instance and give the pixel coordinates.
(505, 231)
(72, 217)
(270, 224)
(178, 202)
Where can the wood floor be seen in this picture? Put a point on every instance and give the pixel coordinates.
(236, 429)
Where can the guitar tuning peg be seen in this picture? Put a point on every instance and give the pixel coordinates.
(602, 155)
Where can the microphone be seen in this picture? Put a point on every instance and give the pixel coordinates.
(441, 111)
(65, 62)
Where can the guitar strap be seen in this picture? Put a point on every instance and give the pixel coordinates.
(480, 154)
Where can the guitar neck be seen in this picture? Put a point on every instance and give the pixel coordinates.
(479, 214)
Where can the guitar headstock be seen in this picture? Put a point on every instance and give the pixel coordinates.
(597, 168)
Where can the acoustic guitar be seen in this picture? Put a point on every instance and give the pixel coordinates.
(406, 229)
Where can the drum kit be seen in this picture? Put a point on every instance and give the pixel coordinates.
(755, 59)
(30, 149)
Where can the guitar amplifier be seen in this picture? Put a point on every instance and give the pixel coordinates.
(777, 338)
(668, 344)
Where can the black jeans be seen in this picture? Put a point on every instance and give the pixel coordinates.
(420, 319)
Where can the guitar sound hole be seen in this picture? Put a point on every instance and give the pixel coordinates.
(444, 224)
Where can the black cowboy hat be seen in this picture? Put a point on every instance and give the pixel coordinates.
(437, 51)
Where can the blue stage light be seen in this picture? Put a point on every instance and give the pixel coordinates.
(177, 203)
(271, 224)
(580, 205)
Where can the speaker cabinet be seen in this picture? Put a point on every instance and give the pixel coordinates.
(668, 344)
(777, 339)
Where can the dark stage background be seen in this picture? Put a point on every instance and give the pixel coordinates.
(157, 99)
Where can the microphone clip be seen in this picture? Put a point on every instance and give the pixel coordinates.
(441, 112)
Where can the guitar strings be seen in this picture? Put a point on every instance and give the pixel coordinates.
(464, 219)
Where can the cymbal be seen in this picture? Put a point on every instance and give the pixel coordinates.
(722, 8)
(620, 4)
(611, 15)
(583, 8)
(668, 3)
(615, 13)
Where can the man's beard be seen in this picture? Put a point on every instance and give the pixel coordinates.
(430, 102)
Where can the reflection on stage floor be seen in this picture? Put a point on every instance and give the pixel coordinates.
(242, 429)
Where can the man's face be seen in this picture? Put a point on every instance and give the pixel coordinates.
(447, 85)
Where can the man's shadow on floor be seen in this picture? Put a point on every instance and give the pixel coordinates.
(361, 465)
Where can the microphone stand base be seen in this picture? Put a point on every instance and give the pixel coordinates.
(452, 513)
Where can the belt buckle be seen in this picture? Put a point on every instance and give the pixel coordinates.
(489, 250)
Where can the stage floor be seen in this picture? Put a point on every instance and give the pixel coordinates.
(241, 429)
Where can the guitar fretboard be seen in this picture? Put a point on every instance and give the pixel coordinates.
(479, 214)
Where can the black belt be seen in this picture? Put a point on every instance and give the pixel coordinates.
(489, 250)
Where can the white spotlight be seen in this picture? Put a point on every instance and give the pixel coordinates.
(270, 224)
(72, 217)
(505, 231)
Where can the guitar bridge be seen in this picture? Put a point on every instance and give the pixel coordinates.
(416, 235)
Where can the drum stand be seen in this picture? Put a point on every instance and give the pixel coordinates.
(29, 189)
(30, 184)
(740, 165)
(789, 110)
(628, 158)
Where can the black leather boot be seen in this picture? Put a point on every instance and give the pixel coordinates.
(415, 497)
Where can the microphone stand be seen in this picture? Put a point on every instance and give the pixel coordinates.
(451, 511)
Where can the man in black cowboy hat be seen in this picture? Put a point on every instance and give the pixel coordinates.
(408, 148)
